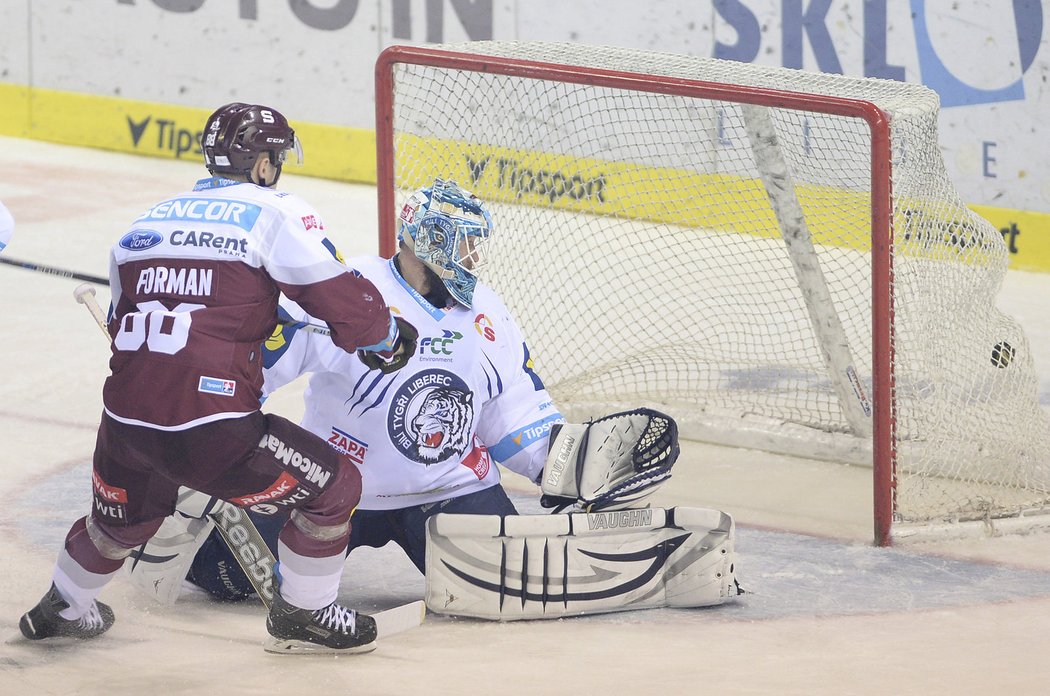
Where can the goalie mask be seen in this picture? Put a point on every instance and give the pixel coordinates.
(447, 228)
(236, 134)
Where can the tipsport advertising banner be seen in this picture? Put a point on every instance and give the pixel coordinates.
(141, 75)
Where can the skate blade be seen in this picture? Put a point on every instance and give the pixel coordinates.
(278, 646)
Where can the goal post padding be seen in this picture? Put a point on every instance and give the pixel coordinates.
(776, 257)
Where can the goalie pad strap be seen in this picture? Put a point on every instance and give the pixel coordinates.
(548, 566)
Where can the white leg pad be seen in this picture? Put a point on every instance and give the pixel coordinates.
(549, 566)
(159, 566)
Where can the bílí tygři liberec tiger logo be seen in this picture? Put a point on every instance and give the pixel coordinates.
(430, 417)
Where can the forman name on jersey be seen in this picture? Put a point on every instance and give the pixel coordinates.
(196, 282)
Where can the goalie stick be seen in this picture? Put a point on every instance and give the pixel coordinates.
(246, 543)
(399, 618)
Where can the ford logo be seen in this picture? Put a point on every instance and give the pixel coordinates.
(139, 240)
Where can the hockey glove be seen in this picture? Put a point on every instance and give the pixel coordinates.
(611, 463)
(392, 360)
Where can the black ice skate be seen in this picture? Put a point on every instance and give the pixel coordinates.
(334, 629)
(43, 621)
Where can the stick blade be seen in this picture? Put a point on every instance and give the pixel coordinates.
(398, 619)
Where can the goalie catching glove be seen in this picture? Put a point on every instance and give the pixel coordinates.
(611, 463)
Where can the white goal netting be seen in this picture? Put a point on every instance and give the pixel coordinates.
(715, 260)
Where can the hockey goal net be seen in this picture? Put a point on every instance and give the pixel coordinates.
(776, 257)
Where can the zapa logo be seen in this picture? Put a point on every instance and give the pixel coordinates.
(349, 445)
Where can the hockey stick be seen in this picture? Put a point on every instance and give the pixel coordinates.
(52, 270)
(400, 618)
(85, 295)
(99, 280)
(236, 528)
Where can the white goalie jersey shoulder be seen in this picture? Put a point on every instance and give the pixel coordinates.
(548, 566)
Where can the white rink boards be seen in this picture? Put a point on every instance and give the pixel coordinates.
(824, 607)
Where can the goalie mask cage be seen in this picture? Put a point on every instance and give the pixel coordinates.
(775, 257)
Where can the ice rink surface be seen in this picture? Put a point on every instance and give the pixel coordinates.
(825, 612)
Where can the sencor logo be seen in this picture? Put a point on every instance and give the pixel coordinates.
(139, 240)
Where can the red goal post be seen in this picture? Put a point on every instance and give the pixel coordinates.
(449, 84)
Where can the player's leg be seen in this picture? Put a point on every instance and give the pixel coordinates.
(129, 503)
(215, 570)
(294, 469)
(411, 523)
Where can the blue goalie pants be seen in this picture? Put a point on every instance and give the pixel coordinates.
(214, 568)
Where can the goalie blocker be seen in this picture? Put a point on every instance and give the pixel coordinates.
(548, 566)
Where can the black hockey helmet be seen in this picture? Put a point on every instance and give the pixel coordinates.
(237, 133)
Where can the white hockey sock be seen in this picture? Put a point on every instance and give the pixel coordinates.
(78, 586)
(307, 582)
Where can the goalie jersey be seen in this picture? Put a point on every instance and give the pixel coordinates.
(435, 429)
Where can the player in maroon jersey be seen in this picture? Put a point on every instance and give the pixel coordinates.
(195, 284)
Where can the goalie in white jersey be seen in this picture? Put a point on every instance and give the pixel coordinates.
(426, 438)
